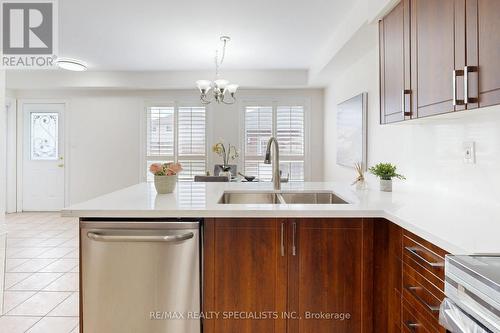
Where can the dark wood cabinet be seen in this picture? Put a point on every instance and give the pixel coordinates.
(387, 281)
(483, 51)
(439, 56)
(328, 274)
(315, 274)
(245, 273)
(395, 84)
(435, 55)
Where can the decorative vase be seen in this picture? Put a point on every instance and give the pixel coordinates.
(386, 185)
(361, 185)
(226, 171)
(165, 184)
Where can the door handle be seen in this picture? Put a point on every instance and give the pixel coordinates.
(412, 290)
(467, 70)
(414, 251)
(294, 235)
(405, 92)
(282, 239)
(456, 101)
(411, 326)
(139, 238)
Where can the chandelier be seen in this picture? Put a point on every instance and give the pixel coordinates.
(220, 86)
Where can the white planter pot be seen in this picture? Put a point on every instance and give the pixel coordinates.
(165, 184)
(386, 185)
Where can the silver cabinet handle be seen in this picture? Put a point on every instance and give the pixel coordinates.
(139, 238)
(414, 251)
(411, 326)
(467, 70)
(412, 289)
(405, 92)
(294, 247)
(282, 239)
(456, 73)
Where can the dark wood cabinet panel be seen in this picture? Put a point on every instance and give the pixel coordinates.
(395, 65)
(483, 24)
(319, 275)
(330, 273)
(433, 55)
(245, 271)
(443, 54)
(387, 277)
(415, 322)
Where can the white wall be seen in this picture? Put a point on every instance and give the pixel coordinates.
(428, 151)
(104, 132)
(3, 147)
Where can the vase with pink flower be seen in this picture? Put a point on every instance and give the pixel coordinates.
(165, 176)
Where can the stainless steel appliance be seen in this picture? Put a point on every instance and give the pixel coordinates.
(140, 276)
(472, 288)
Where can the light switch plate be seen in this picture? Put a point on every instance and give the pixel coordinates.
(469, 150)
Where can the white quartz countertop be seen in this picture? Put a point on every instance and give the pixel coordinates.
(455, 224)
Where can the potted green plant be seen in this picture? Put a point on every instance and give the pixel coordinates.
(386, 172)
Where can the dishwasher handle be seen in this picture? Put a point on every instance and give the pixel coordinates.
(140, 238)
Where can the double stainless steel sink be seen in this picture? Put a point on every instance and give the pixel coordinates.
(285, 198)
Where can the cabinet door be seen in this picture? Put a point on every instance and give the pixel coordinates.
(387, 248)
(330, 275)
(395, 82)
(437, 49)
(483, 50)
(245, 274)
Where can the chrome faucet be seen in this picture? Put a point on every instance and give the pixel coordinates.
(276, 161)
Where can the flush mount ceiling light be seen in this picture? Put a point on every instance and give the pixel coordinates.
(71, 64)
(219, 86)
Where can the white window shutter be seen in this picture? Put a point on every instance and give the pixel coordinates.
(258, 129)
(177, 134)
(160, 131)
(289, 129)
(192, 131)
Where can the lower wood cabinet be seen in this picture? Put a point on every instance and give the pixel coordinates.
(330, 273)
(319, 275)
(307, 275)
(245, 274)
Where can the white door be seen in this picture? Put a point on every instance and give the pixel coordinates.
(43, 160)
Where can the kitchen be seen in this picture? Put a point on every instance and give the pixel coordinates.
(318, 240)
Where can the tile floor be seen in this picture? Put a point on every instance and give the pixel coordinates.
(41, 274)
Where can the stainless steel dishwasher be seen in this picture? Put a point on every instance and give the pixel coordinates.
(140, 276)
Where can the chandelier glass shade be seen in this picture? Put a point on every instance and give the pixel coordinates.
(222, 91)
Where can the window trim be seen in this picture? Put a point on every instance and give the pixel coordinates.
(305, 102)
(144, 161)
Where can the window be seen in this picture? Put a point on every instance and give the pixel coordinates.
(286, 123)
(44, 136)
(177, 134)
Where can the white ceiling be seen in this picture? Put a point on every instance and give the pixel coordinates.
(115, 35)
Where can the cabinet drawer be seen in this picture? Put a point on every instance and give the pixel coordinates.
(420, 293)
(414, 322)
(425, 258)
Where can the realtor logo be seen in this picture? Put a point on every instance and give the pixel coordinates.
(28, 33)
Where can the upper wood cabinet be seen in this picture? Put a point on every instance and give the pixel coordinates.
(483, 50)
(437, 51)
(439, 56)
(395, 84)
